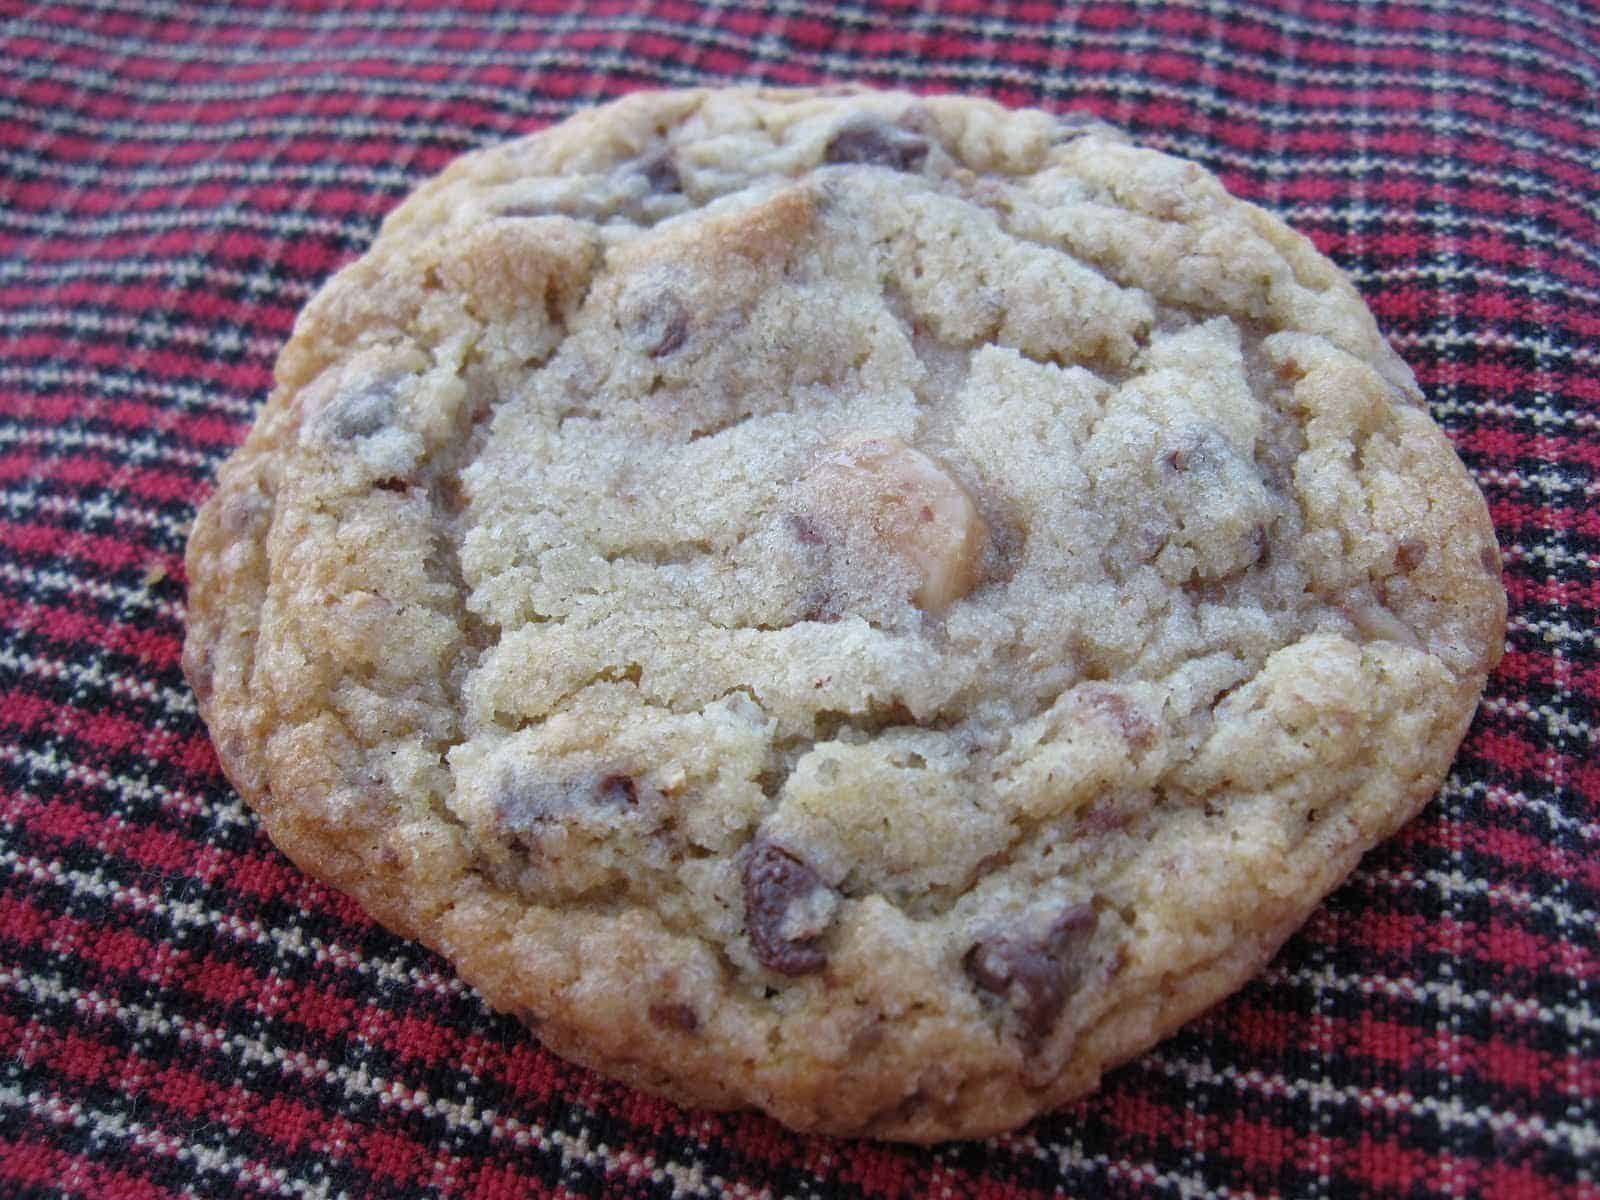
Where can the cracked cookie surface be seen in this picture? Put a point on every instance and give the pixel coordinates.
(869, 607)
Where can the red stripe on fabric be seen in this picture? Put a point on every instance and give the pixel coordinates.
(25, 713)
(187, 1096)
(45, 542)
(157, 648)
(81, 471)
(27, 1163)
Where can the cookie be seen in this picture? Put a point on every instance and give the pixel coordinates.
(866, 607)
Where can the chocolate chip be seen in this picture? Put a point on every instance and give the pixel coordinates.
(529, 801)
(1034, 973)
(871, 143)
(672, 337)
(1203, 448)
(362, 410)
(1408, 555)
(1128, 719)
(820, 603)
(1105, 817)
(661, 173)
(1260, 546)
(804, 529)
(619, 790)
(820, 606)
(1148, 541)
(774, 881)
(677, 1016)
(660, 327)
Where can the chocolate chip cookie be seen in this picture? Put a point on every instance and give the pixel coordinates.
(868, 607)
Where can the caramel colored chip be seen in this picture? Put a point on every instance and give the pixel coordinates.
(911, 507)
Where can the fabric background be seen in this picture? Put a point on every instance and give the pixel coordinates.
(183, 1013)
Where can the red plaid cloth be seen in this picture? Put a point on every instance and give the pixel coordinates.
(182, 1013)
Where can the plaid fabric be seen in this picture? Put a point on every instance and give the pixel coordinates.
(182, 1013)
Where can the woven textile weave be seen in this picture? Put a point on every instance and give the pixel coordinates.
(184, 1013)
